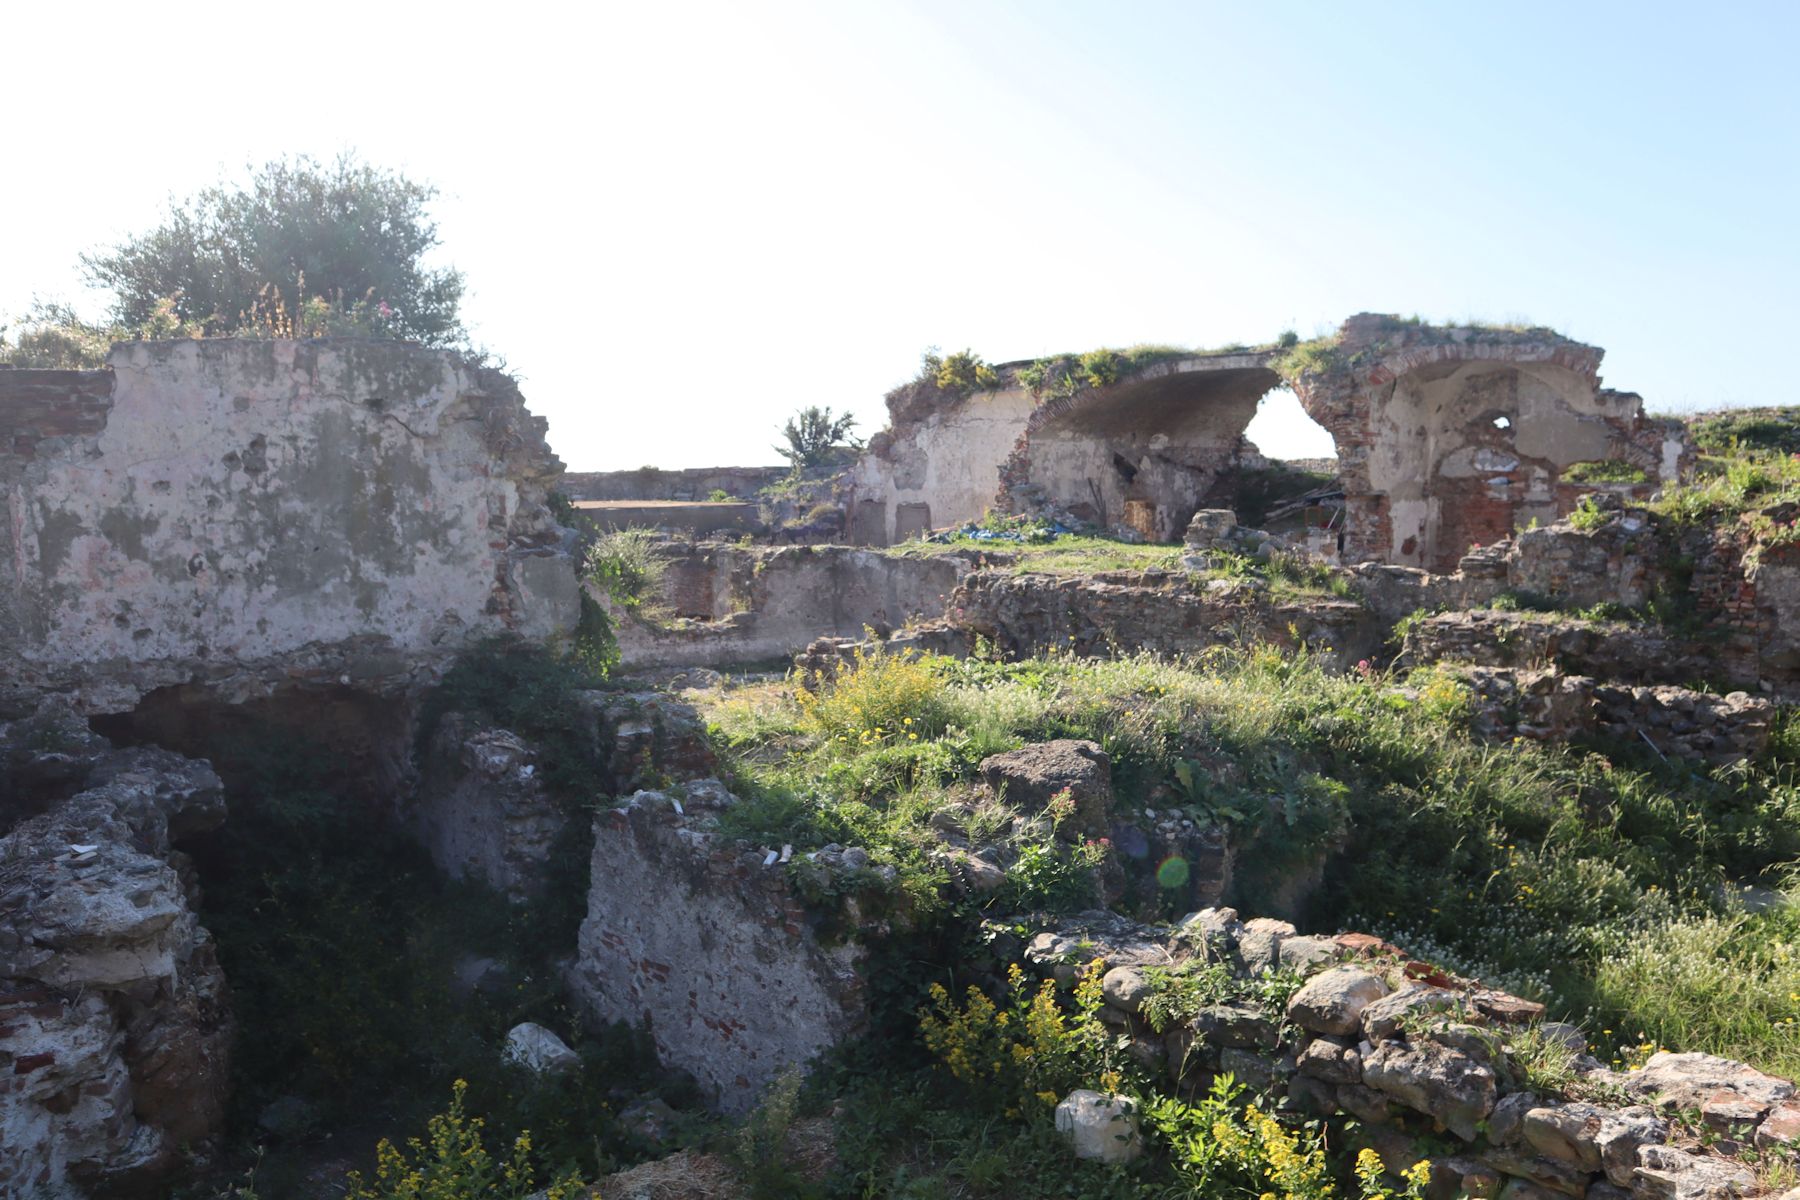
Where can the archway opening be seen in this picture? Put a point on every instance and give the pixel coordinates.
(1144, 455)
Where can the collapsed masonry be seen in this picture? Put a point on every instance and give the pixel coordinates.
(1447, 437)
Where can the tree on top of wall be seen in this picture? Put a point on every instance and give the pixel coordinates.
(296, 232)
(812, 434)
(298, 249)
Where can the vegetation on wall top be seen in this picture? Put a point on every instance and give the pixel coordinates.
(300, 248)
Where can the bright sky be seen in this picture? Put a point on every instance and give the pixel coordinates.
(681, 221)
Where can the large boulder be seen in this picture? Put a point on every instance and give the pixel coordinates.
(1442, 1082)
(1099, 1126)
(1030, 777)
(538, 1050)
(1333, 1001)
(1665, 1173)
(1383, 1018)
(1685, 1081)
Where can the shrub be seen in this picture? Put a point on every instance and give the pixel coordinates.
(1054, 876)
(878, 698)
(1313, 357)
(1101, 367)
(1770, 429)
(453, 1163)
(1029, 1053)
(347, 240)
(624, 563)
(533, 692)
(1220, 1146)
(961, 373)
(1588, 515)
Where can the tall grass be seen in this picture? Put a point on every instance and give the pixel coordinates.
(1722, 983)
(1571, 874)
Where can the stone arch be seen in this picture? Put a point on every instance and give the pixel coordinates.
(1450, 438)
(1145, 452)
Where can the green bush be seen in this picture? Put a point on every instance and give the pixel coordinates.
(1520, 863)
(454, 1163)
(1587, 515)
(962, 373)
(1101, 368)
(625, 565)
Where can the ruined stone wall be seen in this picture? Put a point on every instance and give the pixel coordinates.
(652, 483)
(1547, 705)
(937, 467)
(700, 517)
(1430, 1066)
(1621, 563)
(248, 514)
(775, 601)
(705, 943)
(1157, 611)
(115, 1028)
(1142, 453)
(1616, 651)
(1452, 437)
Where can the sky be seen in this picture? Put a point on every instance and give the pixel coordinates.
(680, 222)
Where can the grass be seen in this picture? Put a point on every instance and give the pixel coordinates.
(1729, 981)
(1559, 872)
(1068, 555)
(1775, 430)
(1730, 483)
(1288, 576)
(1609, 470)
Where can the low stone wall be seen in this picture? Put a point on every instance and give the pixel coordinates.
(1545, 705)
(1419, 1057)
(700, 517)
(652, 483)
(1619, 563)
(115, 1026)
(1615, 651)
(789, 596)
(1163, 612)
